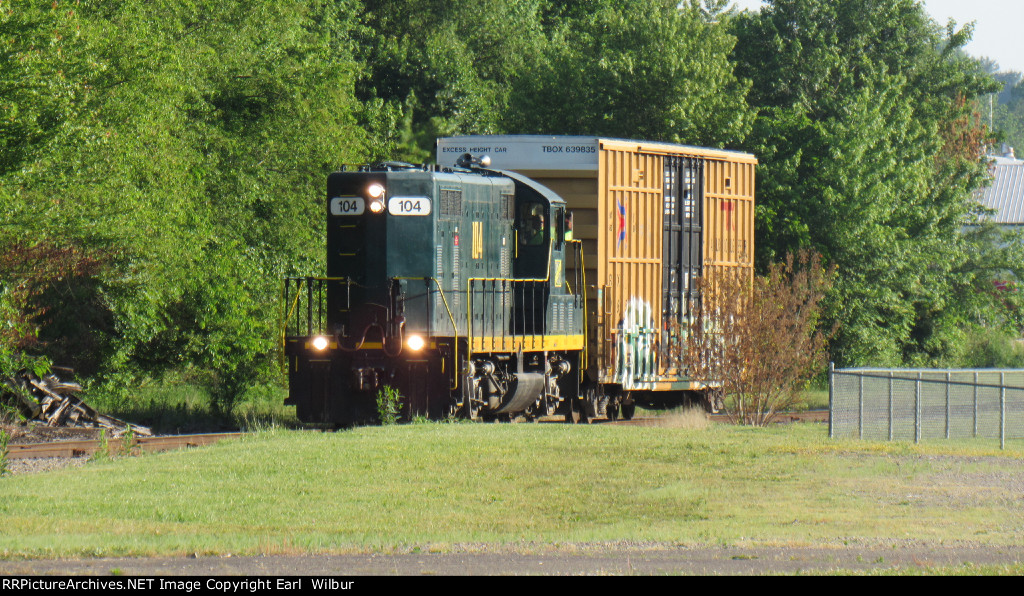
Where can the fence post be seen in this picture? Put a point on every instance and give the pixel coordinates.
(860, 407)
(917, 410)
(948, 378)
(831, 412)
(1002, 410)
(890, 405)
(975, 404)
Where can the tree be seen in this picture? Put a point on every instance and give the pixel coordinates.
(635, 70)
(192, 157)
(870, 155)
(1008, 114)
(45, 81)
(982, 331)
(444, 68)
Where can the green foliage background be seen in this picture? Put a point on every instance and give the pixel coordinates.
(174, 152)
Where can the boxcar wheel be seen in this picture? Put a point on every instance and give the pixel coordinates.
(589, 408)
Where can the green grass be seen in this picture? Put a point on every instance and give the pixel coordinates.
(177, 405)
(815, 399)
(968, 569)
(528, 485)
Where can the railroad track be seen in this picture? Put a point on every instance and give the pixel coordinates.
(114, 446)
(781, 418)
(84, 448)
(784, 417)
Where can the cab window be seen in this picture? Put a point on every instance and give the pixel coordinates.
(560, 228)
(532, 224)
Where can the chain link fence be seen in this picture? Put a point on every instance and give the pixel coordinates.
(915, 404)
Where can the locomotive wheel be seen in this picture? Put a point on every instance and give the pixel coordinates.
(613, 412)
(469, 391)
(466, 409)
(628, 410)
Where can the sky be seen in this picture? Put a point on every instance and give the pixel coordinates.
(997, 26)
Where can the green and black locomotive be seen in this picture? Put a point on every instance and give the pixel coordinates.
(447, 285)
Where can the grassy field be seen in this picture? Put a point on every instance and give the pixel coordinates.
(815, 399)
(431, 486)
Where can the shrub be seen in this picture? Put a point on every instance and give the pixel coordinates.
(27, 272)
(388, 404)
(4, 452)
(759, 340)
(993, 348)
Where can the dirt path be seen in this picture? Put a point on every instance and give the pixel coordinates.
(582, 560)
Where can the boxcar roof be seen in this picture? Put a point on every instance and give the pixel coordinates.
(564, 151)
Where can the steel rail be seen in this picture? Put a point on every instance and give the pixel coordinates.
(780, 418)
(115, 446)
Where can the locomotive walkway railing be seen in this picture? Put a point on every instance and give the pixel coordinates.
(904, 404)
(305, 303)
(505, 315)
(433, 284)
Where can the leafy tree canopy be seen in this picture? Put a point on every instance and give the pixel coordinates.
(633, 69)
(870, 154)
(189, 152)
(172, 153)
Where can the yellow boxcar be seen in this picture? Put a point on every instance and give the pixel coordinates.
(653, 217)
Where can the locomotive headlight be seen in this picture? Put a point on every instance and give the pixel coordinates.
(375, 190)
(320, 343)
(376, 206)
(415, 343)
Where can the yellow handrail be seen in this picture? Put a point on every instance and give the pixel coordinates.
(455, 329)
(469, 301)
(282, 360)
(295, 303)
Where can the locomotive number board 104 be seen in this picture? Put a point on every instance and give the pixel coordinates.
(523, 276)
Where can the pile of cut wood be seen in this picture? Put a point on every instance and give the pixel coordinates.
(55, 403)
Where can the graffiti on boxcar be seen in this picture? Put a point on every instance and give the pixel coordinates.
(636, 346)
(621, 215)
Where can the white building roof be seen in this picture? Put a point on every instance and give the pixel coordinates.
(1006, 193)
